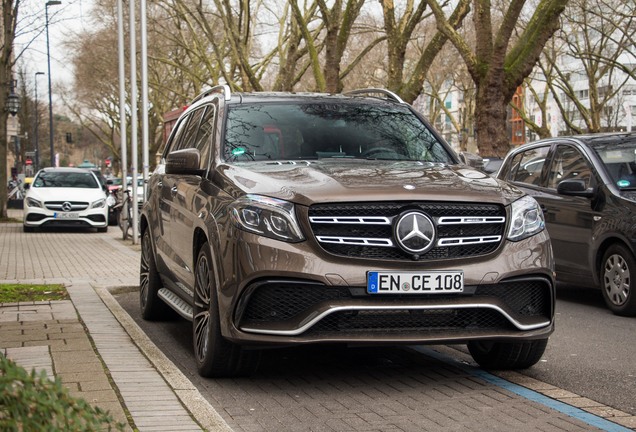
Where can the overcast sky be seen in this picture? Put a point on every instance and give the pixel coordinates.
(64, 21)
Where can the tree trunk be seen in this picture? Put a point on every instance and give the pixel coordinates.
(9, 19)
(490, 118)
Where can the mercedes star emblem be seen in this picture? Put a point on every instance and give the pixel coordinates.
(66, 206)
(415, 232)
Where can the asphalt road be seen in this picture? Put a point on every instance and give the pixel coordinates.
(592, 354)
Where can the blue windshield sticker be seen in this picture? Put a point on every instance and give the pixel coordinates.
(623, 183)
(238, 151)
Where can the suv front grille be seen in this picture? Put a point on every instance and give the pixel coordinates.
(366, 230)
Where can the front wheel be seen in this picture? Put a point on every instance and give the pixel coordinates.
(215, 356)
(507, 355)
(616, 280)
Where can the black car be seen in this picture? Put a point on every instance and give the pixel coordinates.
(586, 186)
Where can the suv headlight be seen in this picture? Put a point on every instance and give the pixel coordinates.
(269, 217)
(526, 219)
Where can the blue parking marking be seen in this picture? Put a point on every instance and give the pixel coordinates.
(574, 412)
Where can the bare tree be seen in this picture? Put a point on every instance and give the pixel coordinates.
(400, 34)
(586, 75)
(497, 62)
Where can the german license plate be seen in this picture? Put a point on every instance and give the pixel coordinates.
(439, 282)
(66, 215)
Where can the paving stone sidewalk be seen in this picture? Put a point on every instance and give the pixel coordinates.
(86, 341)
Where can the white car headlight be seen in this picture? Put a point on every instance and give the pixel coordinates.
(99, 203)
(110, 200)
(526, 219)
(269, 217)
(31, 202)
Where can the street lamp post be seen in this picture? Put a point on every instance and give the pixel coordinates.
(36, 130)
(48, 61)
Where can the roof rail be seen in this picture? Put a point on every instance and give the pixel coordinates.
(225, 89)
(389, 94)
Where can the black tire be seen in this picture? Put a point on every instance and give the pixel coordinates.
(151, 306)
(507, 355)
(618, 272)
(215, 356)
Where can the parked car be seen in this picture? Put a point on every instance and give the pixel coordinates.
(586, 186)
(277, 219)
(69, 197)
(492, 165)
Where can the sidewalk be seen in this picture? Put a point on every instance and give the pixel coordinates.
(89, 342)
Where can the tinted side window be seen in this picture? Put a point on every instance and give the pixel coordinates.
(568, 163)
(187, 135)
(527, 166)
(203, 140)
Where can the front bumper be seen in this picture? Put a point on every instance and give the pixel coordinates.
(285, 293)
(91, 218)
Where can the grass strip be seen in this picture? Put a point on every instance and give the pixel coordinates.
(14, 293)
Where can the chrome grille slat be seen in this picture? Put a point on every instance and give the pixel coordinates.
(467, 240)
(382, 242)
(352, 220)
(448, 220)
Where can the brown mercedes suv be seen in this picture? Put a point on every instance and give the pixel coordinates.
(279, 219)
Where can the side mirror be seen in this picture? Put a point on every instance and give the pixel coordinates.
(575, 187)
(472, 160)
(186, 161)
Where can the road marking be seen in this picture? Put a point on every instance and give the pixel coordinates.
(577, 413)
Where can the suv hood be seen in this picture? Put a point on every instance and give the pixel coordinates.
(338, 180)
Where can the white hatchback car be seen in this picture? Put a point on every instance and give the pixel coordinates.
(65, 197)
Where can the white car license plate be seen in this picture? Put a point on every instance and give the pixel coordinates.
(440, 282)
(66, 215)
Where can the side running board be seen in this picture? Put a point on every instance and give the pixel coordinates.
(176, 303)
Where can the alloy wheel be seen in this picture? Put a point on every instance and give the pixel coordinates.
(616, 279)
(202, 308)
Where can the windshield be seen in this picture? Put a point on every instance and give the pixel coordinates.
(65, 179)
(329, 130)
(620, 162)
